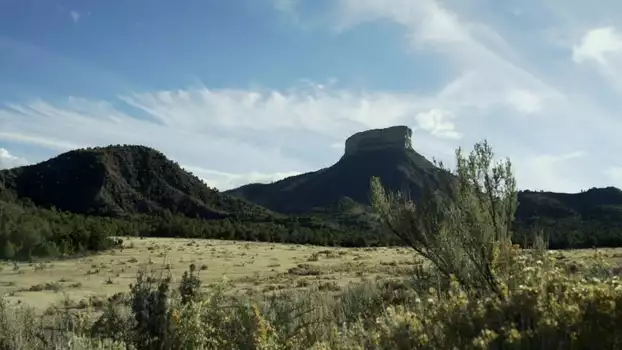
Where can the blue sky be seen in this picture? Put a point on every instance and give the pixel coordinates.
(254, 90)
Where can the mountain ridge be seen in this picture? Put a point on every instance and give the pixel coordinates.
(112, 180)
(400, 168)
(130, 180)
(299, 193)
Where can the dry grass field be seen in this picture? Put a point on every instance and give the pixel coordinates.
(249, 267)
(82, 288)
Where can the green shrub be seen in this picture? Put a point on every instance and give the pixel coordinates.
(466, 234)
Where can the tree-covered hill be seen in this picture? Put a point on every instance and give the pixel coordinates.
(122, 180)
(88, 194)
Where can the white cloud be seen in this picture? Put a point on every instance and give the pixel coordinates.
(75, 16)
(438, 123)
(491, 72)
(321, 110)
(7, 160)
(602, 47)
(597, 44)
(225, 181)
(614, 174)
(525, 101)
(546, 172)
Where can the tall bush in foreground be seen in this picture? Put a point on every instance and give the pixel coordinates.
(464, 231)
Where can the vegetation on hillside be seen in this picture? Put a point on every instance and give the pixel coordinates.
(135, 190)
(591, 218)
(475, 290)
(582, 220)
(122, 180)
(349, 177)
(73, 203)
(28, 232)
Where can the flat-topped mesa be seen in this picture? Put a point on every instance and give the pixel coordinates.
(396, 137)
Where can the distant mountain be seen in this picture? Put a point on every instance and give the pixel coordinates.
(587, 204)
(585, 219)
(386, 153)
(119, 180)
(324, 206)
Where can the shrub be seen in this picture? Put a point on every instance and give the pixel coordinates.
(190, 285)
(466, 233)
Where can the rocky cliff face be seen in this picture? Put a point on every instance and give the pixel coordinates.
(398, 137)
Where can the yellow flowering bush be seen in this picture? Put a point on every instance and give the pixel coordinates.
(549, 309)
(214, 322)
(542, 304)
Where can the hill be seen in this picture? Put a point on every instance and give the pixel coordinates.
(122, 180)
(72, 203)
(583, 219)
(149, 195)
(386, 153)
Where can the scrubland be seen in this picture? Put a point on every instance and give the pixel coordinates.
(270, 292)
(250, 268)
(461, 283)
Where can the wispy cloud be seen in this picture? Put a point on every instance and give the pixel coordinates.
(286, 6)
(75, 16)
(234, 136)
(602, 47)
(225, 181)
(7, 160)
(490, 68)
(615, 175)
(438, 122)
(520, 74)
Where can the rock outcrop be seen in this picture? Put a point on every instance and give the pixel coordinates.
(397, 137)
(384, 153)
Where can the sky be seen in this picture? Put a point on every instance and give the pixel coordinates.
(243, 91)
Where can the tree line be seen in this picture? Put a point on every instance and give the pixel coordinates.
(27, 231)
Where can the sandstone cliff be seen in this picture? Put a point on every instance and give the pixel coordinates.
(395, 137)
